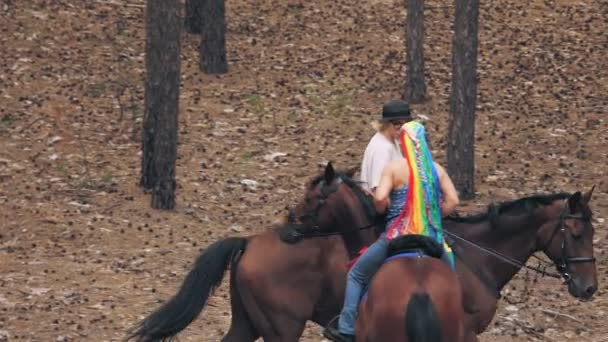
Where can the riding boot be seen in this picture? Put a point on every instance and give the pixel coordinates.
(332, 333)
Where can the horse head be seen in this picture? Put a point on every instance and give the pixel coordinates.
(507, 235)
(334, 204)
(567, 239)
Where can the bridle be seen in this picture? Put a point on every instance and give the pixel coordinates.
(562, 263)
(313, 214)
(565, 260)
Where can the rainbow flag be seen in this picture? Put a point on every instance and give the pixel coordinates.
(422, 212)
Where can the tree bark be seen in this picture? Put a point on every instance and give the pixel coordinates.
(159, 147)
(463, 97)
(193, 21)
(213, 38)
(415, 87)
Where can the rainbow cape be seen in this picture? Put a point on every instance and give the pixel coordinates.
(421, 213)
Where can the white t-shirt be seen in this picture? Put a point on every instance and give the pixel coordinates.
(379, 152)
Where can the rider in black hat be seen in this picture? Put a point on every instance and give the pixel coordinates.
(396, 110)
(380, 151)
(382, 147)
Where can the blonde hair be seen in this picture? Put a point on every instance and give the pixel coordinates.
(380, 126)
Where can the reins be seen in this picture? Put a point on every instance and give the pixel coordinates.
(505, 258)
(313, 234)
(562, 264)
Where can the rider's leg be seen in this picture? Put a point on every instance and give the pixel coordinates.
(357, 278)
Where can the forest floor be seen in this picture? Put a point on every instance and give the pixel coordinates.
(83, 256)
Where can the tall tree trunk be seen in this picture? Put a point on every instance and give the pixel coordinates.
(163, 24)
(213, 39)
(193, 21)
(415, 87)
(463, 97)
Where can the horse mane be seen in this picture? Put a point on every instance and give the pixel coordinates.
(522, 205)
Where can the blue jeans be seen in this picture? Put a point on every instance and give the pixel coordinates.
(356, 281)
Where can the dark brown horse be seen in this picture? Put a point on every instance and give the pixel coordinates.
(491, 248)
(284, 277)
(414, 296)
(277, 286)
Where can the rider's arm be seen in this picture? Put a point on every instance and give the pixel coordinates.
(449, 193)
(381, 199)
(381, 159)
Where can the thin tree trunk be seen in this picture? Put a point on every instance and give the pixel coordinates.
(463, 97)
(163, 24)
(415, 87)
(193, 21)
(213, 38)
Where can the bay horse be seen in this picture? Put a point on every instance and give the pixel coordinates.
(284, 277)
(280, 278)
(414, 299)
(414, 296)
(490, 248)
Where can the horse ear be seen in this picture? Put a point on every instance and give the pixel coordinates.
(587, 195)
(573, 201)
(330, 173)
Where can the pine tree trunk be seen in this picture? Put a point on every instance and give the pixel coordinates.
(193, 21)
(463, 97)
(213, 39)
(415, 87)
(159, 147)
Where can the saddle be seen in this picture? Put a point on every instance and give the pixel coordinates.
(407, 246)
(411, 243)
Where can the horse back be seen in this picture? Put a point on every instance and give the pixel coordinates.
(382, 312)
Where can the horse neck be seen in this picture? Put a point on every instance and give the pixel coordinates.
(355, 241)
(358, 232)
(518, 243)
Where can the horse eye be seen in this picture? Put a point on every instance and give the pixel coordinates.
(576, 237)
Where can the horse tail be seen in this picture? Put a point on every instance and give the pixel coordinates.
(175, 315)
(421, 321)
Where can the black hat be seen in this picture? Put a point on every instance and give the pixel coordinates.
(396, 110)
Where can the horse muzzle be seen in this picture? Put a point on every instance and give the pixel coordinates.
(581, 289)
